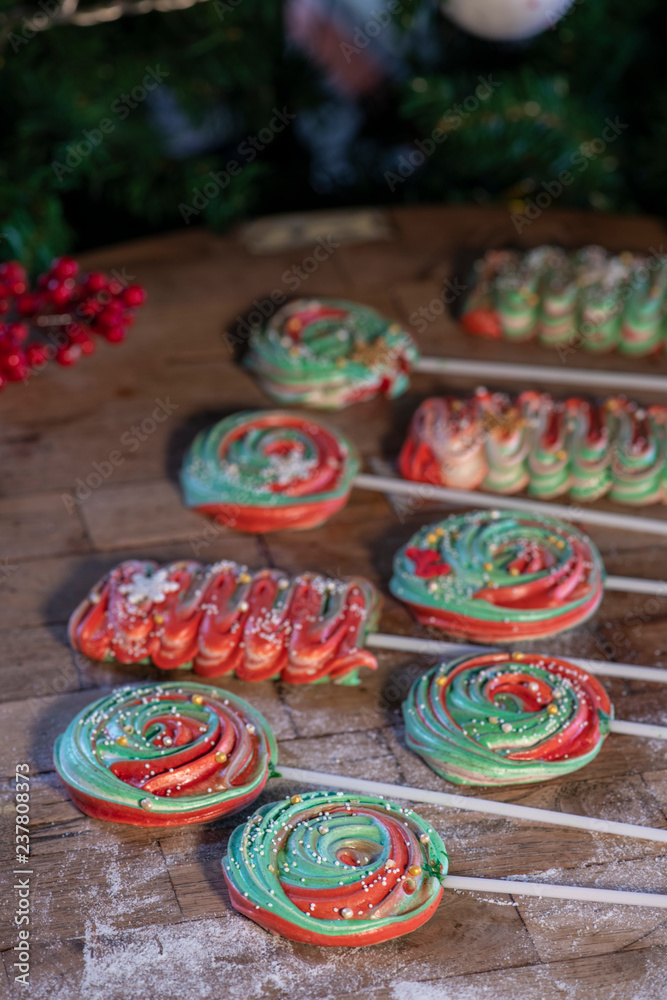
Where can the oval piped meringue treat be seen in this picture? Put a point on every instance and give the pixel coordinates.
(549, 447)
(331, 869)
(260, 471)
(225, 618)
(506, 718)
(329, 353)
(165, 755)
(499, 576)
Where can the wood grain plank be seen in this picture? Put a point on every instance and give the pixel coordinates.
(36, 662)
(133, 514)
(623, 976)
(85, 871)
(40, 525)
(232, 957)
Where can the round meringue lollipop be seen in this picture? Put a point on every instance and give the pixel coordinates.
(261, 471)
(329, 869)
(506, 718)
(328, 353)
(165, 755)
(499, 576)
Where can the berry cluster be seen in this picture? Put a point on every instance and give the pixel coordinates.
(57, 318)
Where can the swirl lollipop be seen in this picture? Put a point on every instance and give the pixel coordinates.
(506, 719)
(259, 471)
(327, 869)
(165, 755)
(499, 576)
(329, 353)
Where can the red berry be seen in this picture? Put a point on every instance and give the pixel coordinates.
(37, 355)
(110, 316)
(12, 271)
(89, 308)
(68, 355)
(4, 306)
(64, 267)
(14, 277)
(87, 346)
(58, 293)
(116, 287)
(15, 366)
(76, 333)
(134, 295)
(96, 281)
(28, 304)
(17, 332)
(115, 334)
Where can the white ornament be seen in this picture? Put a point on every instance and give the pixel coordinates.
(505, 20)
(152, 587)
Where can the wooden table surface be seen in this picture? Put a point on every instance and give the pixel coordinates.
(124, 912)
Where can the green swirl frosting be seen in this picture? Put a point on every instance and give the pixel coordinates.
(165, 754)
(496, 719)
(330, 353)
(331, 869)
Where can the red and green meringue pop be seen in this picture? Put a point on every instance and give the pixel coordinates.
(226, 618)
(551, 448)
(165, 755)
(329, 869)
(499, 576)
(506, 718)
(329, 353)
(588, 298)
(261, 471)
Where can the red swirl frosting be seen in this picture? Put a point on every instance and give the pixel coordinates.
(225, 618)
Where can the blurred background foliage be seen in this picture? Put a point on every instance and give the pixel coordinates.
(227, 65)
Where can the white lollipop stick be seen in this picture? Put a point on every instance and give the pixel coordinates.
(473, 804)
(547, 890)
(633, 585)
(529, 374)
(438, 647)
(471, 498)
